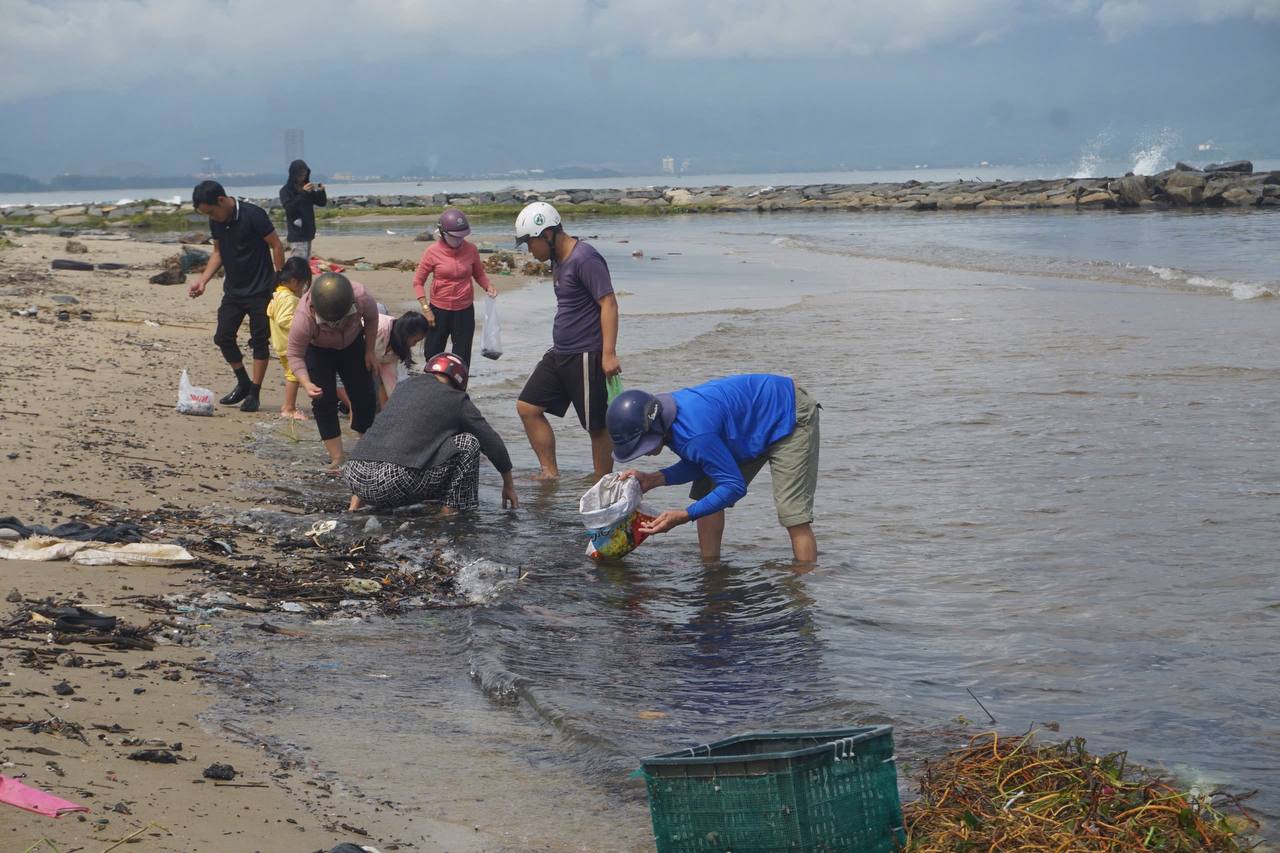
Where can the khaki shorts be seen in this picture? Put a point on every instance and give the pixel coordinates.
(793, 464)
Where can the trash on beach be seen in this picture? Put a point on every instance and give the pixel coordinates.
(612, 511)
(134, 554)
(73, 266)
(320, 528)
(292, 607)
(27, 798)
(154, 756)
(1021, 795)
(193, 400)
(220, 772)
(362, 585)
(46, 548)
(33, 311)
(491, 337)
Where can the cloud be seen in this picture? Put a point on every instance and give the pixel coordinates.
(1122, 18)
(50, 46)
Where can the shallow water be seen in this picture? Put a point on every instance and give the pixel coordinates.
(1048, 476)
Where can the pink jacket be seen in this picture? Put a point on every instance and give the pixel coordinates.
(388, 361)
(453, 270)
(307, 331)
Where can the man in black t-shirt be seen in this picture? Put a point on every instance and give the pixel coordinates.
(246, 245)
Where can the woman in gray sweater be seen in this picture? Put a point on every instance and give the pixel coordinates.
(426, 446)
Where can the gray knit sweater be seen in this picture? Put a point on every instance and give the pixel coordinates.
(416, 427)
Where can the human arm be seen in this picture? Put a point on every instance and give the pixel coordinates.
(609, 332)
(491, 444)
(648, 480)
(713, 459)
(300, 333)
(509, 497)
(277, 250)
(210, 270)
(318, 195)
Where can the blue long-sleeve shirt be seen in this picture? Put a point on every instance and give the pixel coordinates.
(720, 425)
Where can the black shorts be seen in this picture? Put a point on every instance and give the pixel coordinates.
(561, 379)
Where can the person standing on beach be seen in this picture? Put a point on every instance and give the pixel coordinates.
(584, 338)
(246, 245)
(333, 334)
(291, 283)
(452, 263)
(300, 198)
(724, 431)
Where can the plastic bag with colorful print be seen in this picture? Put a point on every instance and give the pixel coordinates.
(612, 511)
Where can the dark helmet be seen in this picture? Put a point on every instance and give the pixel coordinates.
(332, 296)
(454, 221)
(637, 422)
(451, 367)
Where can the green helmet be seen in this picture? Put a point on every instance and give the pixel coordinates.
(332, 296)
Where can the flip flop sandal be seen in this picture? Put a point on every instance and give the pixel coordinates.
(74, 620)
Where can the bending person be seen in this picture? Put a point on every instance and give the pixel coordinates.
(394, 345)
(328, 340)
(452, 263)
(724, 432)
(426, 446)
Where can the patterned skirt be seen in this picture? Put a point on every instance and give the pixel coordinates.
(455, 484)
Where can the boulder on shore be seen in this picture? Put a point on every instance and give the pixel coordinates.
(1240, 167)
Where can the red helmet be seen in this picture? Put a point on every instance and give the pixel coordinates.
(452, 367)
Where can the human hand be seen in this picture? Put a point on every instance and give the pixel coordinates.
(663, 523)
(651, 480)
(509, 498)
(370, 361)
(313, 390)
(196, 288)
(431, 317)
(493, 291)
(610, 364)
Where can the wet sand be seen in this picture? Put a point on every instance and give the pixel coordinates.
(87, 415)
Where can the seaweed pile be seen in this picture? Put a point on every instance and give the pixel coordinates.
(1007, 794)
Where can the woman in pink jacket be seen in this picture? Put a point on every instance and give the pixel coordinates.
(452, 263)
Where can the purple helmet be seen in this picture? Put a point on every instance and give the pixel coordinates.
(454, 222)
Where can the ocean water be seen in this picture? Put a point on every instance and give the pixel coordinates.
(1048, 476)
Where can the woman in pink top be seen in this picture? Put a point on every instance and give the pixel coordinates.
(453, 263)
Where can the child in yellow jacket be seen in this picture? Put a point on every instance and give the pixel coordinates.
(291, 282)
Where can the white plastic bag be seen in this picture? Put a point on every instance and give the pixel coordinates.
(193, 400)
(491, 337)
(612, 511)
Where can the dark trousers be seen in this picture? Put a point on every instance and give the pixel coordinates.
(231, 313)
(459, 325)
(325, 366)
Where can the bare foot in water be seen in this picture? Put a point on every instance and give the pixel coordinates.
(448, 510)
(546, 476)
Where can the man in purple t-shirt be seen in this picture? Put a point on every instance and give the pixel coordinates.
(584, 342)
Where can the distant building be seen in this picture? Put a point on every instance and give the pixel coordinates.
(668, 165)
(209, 167)
(293, 149)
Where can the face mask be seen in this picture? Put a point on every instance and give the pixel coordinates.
(453, 241)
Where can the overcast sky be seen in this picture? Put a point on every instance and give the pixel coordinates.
(396, 86)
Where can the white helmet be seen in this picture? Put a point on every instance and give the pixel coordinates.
(536, 217)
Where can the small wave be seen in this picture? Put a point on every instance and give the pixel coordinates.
(1090, 163)
(1241, 290)
(1152, 154)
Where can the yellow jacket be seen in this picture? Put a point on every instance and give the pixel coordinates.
(280, 312)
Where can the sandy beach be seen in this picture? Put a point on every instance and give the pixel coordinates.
(89, 430)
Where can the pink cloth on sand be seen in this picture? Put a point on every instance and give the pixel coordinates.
(31, 799)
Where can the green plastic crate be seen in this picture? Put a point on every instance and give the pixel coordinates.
(833, 791)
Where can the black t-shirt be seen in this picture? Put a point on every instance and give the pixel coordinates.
(246, 257)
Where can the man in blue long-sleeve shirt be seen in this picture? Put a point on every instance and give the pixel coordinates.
(724, 432)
